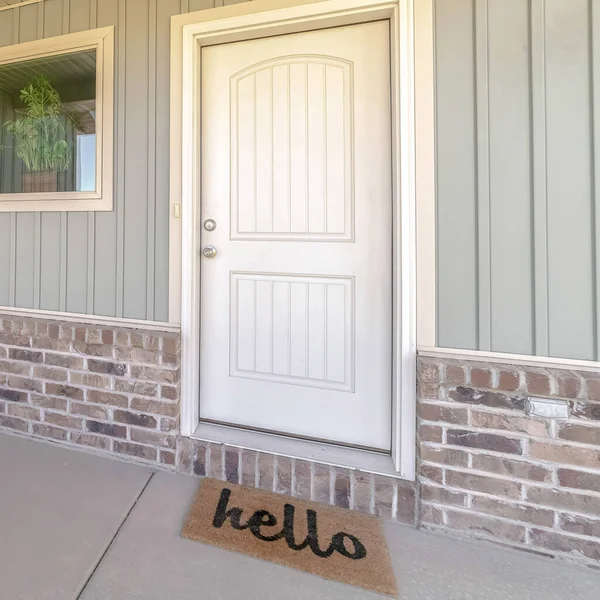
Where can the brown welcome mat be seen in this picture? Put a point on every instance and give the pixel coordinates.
(337, 544)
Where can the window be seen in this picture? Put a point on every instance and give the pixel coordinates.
(56, 123)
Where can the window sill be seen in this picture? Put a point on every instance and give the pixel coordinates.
(72, 202)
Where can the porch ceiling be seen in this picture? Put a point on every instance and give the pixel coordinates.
(14, 3)
(62, 70)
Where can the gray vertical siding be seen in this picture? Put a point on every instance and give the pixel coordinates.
(516, 193)
(117, 263)
(456, 169)
(569, 179)
(517, 90)
(114, 264)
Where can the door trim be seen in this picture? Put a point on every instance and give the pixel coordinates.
(265, 18)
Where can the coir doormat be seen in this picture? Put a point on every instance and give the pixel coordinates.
(338, 544)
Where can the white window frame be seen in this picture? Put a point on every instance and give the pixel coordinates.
(102, 41)
(263, 18)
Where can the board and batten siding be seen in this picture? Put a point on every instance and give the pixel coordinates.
(517, 90)
(116, 263)
(518, 160)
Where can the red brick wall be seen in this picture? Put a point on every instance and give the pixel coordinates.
(111, 389)
(488, 470)
(386, 497)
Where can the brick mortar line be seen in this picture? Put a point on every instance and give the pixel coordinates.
(522, 390)
(470, 534)
(568, 556)
(513, 435)
(531, 484)
(446, 402)
(467, 511)
(479, 472)
(17, 337)
(111, 420)
(87, 386)
(520, 458)
(503, 500)
(518, 501)
(449, 403)
(352, 492)
(65, 326)
(508, 455)
(466, 534)
(488, 410)
(106, 452)
(467, 380)
(554, 466)
(527, 525)
(496, 410)
(92, 451)
(487, 364)
(528, 482)
(71, 430)
(129, 395)
(478, 451)
(549, 441)
(75, 354)
(507, 433)
(558, 376)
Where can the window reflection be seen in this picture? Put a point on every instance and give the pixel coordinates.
(48, 124)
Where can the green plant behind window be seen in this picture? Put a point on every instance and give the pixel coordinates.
(40, 134)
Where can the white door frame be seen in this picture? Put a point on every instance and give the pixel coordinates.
(264, 18)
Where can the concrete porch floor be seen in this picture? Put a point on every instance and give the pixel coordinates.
(73, 526)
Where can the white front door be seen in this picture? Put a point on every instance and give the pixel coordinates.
(296, 305)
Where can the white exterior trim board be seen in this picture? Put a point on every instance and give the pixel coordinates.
(265, 18)
(49, 315)
(525, 360)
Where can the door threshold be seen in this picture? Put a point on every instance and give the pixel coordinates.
(336, 456)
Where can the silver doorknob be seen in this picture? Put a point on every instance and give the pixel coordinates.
(209, 251)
